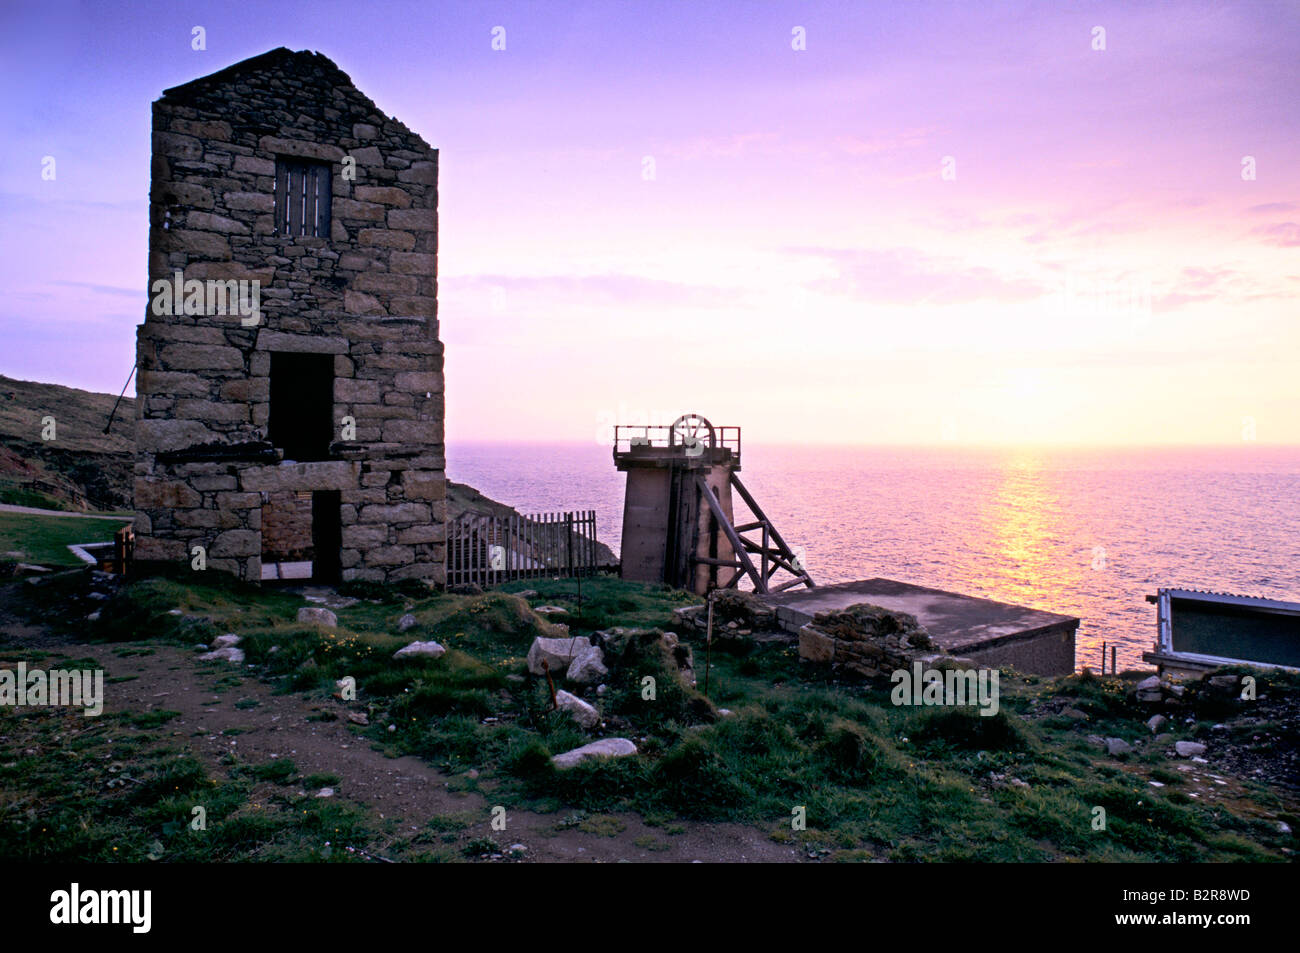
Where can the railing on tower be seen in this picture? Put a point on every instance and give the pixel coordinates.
(630, 436)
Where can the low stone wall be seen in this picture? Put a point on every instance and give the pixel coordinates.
(869, 641)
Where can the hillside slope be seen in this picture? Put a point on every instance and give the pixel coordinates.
(83, 468)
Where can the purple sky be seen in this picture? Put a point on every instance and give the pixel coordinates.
(1097, 271)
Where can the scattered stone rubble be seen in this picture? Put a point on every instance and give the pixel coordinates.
(736, 614)
(1158, 690)
(585, 661)
(582, 660)
(868, 641)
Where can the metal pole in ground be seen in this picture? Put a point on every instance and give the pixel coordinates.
(708, 644)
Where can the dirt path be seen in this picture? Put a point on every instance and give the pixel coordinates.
(405, 789)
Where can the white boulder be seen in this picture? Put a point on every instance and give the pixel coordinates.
(588, 667)
(604, 748)
(315, 615)
(430, 649)
(585, 715)
(557, 653)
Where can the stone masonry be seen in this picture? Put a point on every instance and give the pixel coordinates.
(870, 642)
(365, 295)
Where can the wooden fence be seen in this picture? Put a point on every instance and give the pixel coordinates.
(488, 550)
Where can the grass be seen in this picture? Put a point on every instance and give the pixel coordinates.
(871, 779)
(116, 792)
(16, 495)
(44, 540)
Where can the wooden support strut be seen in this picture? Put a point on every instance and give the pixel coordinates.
(760, 584)
(781, 545)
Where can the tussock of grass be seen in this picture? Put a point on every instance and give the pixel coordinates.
(967, 729)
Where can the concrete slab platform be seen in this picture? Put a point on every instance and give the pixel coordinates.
(988, 632)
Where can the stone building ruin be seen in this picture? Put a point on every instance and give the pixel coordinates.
(300, 433)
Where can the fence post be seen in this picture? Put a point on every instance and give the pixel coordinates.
(568, 539)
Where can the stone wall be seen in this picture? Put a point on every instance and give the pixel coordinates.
(366, 295)
(286, 526)
(869, 641)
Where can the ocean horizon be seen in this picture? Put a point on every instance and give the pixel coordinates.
(1084, 531)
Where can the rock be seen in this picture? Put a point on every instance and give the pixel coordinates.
(1118, 746)
(229, 638)
(517, 848)
(325, 792)
(683, 656)
(585, 715)
(227, 654)
(587, 667)
(405, 622)
(315, 615)
(1283, 827)
(430, 649)
(358, 718)
(1156, 722)
(1189, 749)
(725, 712)
(601, 689)
(1075, 714)
(604, 748)
(466, 589)
(816, 647)
(1151, 684)
(527, 594)
(550, 610)
(1225, 682)
(744, 609)
(557, 653)
(1164, 738)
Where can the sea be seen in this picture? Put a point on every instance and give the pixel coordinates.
(1084, 532)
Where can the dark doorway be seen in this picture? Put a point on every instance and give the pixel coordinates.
(327, 536)
(302, 405)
